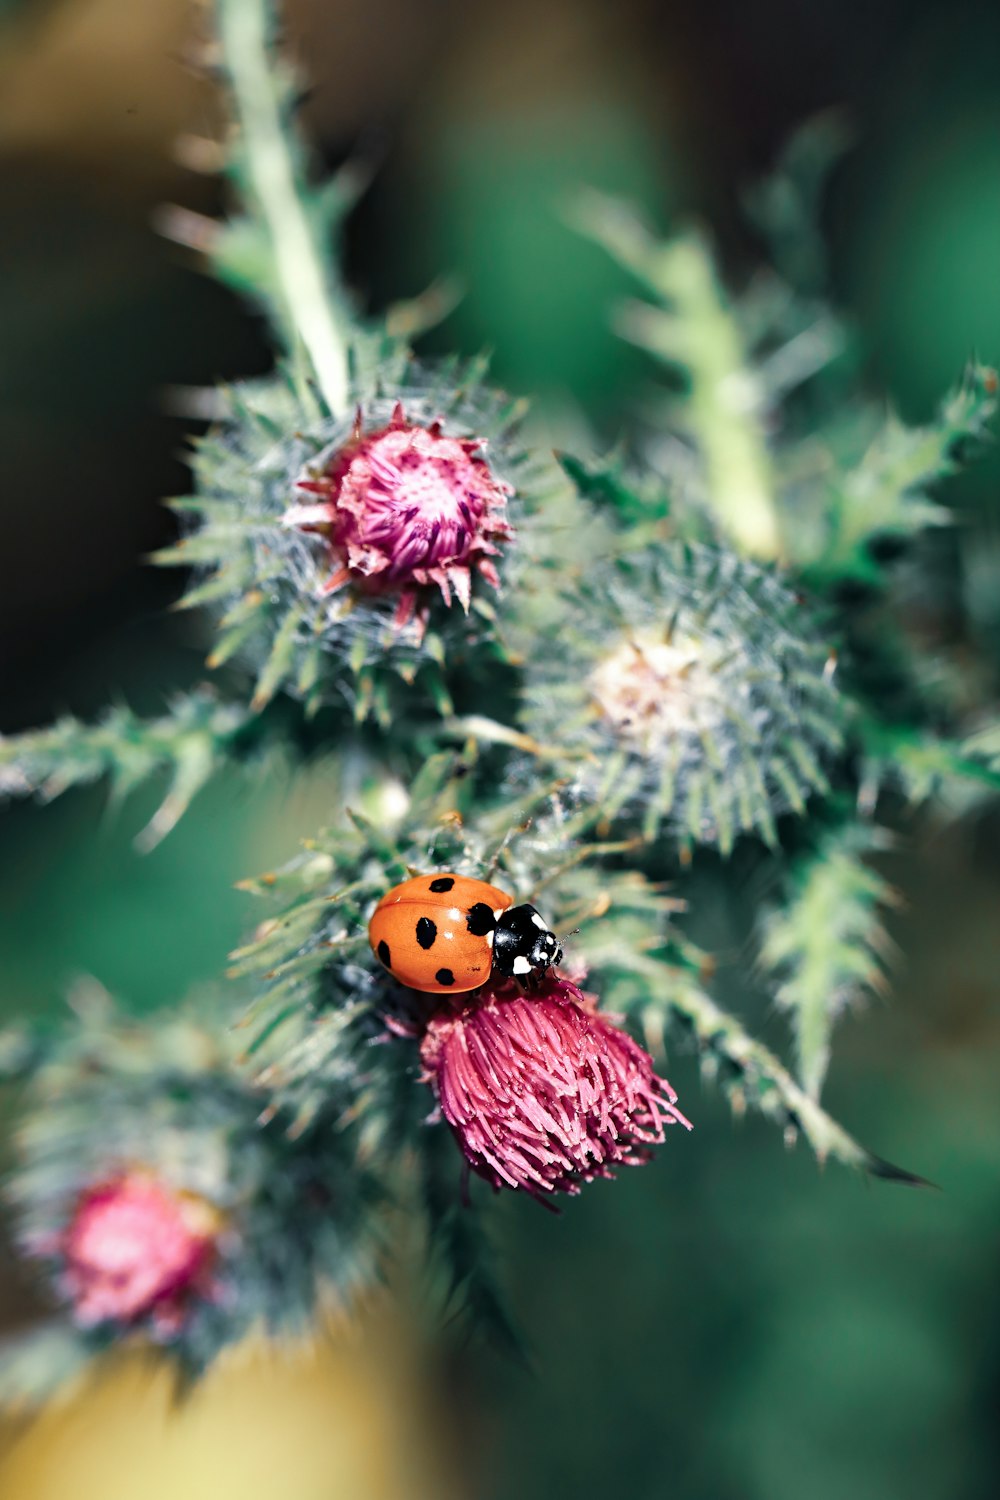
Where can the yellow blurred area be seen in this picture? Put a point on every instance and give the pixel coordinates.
(104, 85)
(98, 81)
(340, 1420)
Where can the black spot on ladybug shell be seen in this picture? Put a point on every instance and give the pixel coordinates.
(480, 919)
(383, 952)
(444, 883)
(444, 976)
(426, 932)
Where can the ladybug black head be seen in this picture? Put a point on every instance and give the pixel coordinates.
(523, 945)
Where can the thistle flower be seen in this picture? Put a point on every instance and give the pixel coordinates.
(406, 508)
(335, 551)
(542, 1091)
(156, 1201)
(693, 691)
(137, 1248)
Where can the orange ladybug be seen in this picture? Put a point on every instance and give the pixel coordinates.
(447, 933)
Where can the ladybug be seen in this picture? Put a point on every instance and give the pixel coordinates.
(441, 933)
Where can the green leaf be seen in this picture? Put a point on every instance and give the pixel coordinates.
(189, 743)
(827, 947)
(890, 492)
(924, 767)
(665, 992)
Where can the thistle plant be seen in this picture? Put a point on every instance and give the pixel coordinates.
(575, 681)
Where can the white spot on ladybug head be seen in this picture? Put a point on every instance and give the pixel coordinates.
(521, 965)
(489, 938)
(537, 920)
(499, 911)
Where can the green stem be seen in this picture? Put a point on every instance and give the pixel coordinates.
(723, 403)
(311, 302)
(694, 328)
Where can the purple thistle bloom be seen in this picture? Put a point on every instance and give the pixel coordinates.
(542, 1091)
(137, 1249)
(405, 509)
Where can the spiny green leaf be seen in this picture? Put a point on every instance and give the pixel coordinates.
(827, 946)
(890, 492)
(924, 766)
(189, 742)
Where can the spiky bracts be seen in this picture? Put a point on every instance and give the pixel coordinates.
(693, 691)
(153, 1198)
(341, 554)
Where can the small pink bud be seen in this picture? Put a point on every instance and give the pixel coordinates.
(407, 509)
(136, 1247)
(542, 1091)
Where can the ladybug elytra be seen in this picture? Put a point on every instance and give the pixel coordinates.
(447, 933)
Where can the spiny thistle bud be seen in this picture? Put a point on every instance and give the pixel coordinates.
(693, 690)
(405, 508)
(135, 1248)
(339, 550)
(542, 1091)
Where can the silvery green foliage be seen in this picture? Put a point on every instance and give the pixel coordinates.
(693, 691)
(297, 1234)
(759, 456)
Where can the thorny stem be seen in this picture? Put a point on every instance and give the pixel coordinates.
(311, 302)
(695, 329)
(724, 399)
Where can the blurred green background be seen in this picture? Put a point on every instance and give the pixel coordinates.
(729, 1322)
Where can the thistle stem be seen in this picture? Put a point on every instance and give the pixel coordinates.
(310, 299)
(694, 329)
(724, 405)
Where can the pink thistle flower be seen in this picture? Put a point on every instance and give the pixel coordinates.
(543, 1092)
(135, 1248)
(406, 508)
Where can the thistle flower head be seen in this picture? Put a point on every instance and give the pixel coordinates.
(542, 1091)
(692, 691)
(156, 1201)
(406, 509)
(341, 554)
(649, 691)
(135, 1247)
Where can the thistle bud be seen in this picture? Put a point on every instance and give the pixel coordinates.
(693, 694)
